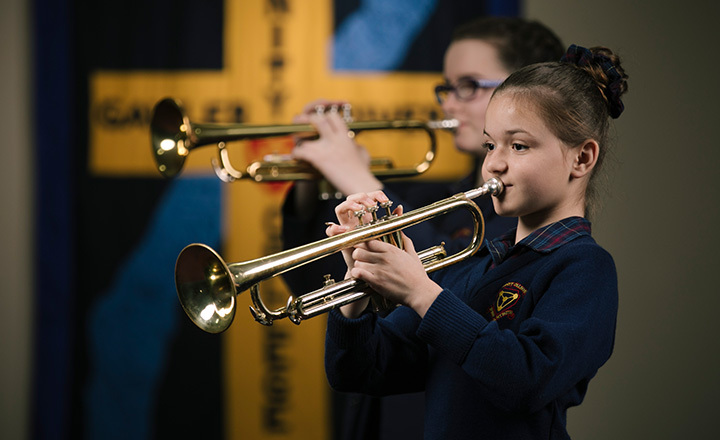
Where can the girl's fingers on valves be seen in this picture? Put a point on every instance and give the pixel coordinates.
(335, 229)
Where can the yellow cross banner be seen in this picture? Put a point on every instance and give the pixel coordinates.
(277, 57)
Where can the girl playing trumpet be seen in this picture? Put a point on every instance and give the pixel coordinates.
(504, 342)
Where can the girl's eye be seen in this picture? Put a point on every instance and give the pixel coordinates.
(519, 147)
(488, 146)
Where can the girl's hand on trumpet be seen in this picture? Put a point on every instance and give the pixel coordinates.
(346, 213)
(344, 163)
(396, 274)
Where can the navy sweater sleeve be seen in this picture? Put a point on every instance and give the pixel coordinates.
(375, 356)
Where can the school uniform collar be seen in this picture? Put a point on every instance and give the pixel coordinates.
(543, 240)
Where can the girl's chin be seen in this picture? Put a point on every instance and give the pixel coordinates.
(502, 209)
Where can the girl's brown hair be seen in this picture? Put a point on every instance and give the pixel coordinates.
(576, 98)
(519, 42)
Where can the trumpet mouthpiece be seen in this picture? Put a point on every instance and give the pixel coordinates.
(445, 124)
(493, 186)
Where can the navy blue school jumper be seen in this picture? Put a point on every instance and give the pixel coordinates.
(506, 348)
(360, 417)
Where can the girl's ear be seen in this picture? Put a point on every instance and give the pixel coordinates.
(586, 159)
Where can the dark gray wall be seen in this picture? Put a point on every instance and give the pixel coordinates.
(661, 217)
(15, 219)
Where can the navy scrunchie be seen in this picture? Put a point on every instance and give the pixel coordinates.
(581, 56)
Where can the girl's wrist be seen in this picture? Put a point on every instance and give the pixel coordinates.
(362, 184)
(423, 302)
(354, 309)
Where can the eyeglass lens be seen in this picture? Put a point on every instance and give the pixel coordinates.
(464, 90)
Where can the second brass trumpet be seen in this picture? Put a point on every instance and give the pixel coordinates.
(174, 136)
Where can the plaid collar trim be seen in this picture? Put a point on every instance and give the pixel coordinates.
(543, 240)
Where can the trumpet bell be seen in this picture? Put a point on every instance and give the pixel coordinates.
(170, 133)
(205, 288)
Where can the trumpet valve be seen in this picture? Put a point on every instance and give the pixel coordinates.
(372, 210)
(359, 215)
(293, 313)
(345, 108)
(387, 205)
(347, 112)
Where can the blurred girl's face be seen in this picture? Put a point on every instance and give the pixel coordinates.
(466, 61)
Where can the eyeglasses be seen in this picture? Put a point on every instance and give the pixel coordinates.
(465, 89)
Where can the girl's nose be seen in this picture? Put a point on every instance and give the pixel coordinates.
(495, 162)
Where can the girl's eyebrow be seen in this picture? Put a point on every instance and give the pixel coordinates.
(509, 132)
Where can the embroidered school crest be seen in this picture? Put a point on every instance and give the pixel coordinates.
(508, 296)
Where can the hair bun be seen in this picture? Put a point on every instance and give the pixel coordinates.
(612, 81)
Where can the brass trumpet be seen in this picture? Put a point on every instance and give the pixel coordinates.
(173, 137)
(207, 286)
